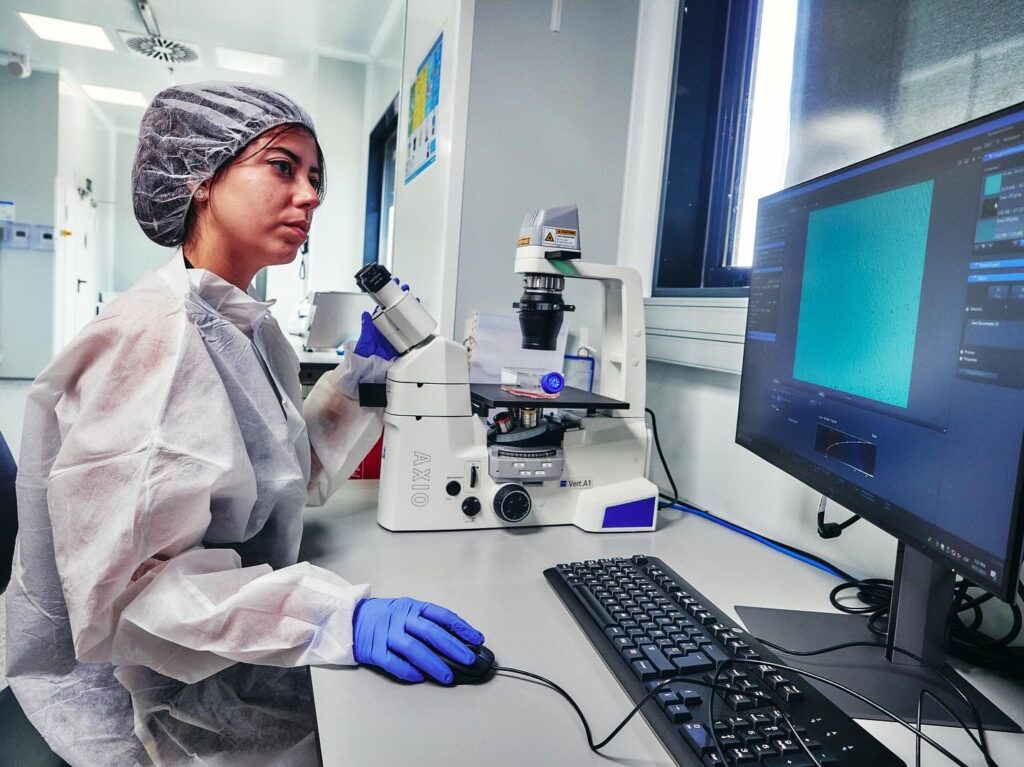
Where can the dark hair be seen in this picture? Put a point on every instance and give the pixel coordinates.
(270, 135)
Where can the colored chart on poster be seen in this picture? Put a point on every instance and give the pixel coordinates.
(424, 93)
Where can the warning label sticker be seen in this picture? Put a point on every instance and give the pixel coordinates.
(560, 238)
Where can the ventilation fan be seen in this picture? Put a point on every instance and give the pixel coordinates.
(160, 49)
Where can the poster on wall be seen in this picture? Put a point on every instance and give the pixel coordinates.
(421, 141)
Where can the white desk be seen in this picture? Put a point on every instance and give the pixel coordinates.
(493, 578)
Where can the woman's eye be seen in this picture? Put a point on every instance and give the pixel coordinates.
(315, 183)
(282, 165)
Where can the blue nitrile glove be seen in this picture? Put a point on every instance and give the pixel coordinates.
(405, 637)
(372, 342)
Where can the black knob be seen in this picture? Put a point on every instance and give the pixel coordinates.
(512, 503)
(471, 506)
(453, 488)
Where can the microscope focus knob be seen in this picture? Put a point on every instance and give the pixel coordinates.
(512, 503)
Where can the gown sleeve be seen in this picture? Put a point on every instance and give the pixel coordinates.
(341, 432)
(150, 457)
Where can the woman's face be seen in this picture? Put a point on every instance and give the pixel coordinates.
(260, 208)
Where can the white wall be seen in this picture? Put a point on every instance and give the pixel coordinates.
(85, 150)
(696, 412)
(28, 165)
(134, 253)
(548, 119)
(336, 241)
(428, 210)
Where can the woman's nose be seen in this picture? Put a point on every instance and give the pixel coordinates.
(308, 196)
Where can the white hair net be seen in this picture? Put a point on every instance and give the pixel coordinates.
(187, 133)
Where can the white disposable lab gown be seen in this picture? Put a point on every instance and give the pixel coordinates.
(156, 613)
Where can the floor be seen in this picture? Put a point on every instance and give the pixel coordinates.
(12, 409)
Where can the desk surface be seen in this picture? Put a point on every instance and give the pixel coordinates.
(493, 578)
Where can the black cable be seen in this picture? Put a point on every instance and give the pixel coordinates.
(982, 743)
(952, 713)
(673, 500)
(586, 726)
(661, 455)
(881, 709)
(832, 529)
(717, 685)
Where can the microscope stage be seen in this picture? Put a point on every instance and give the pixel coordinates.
(484, 397)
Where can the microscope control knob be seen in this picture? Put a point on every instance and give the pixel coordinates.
(512, 503)
(471, 506)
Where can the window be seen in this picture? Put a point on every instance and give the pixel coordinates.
(380, 188)
(805, 87)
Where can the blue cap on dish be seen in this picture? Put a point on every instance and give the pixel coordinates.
(552, 383)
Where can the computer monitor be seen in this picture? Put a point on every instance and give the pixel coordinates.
(884, 355)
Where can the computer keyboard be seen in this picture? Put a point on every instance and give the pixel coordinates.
(649, 625)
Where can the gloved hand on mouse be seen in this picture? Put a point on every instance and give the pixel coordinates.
(408, 638)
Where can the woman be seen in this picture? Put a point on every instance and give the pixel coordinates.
(156, 613)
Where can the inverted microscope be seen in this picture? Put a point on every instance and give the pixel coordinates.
(459, 455)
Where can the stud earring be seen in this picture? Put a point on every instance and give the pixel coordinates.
(200, 194)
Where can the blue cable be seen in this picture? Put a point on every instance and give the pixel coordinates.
(760, 539)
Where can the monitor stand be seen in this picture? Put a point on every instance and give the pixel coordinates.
(921, 602)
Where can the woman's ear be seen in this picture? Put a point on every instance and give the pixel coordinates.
(202, 193)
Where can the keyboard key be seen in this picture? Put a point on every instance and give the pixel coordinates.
(742, 755)
(715, 653)
(689, 696)
(796, 760)
(697, 737)
(727, 740)
(667, 698)
(739, 702)
(662, 665)
(791, 693)
(762, 750)
(678, 713)
(643, 670)
(713, 760)
(631, 654)
(787, 746)
(693, 663)
(749, 736)
(622, 643)
(737, 723)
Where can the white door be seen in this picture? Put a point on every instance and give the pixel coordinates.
(77, 289)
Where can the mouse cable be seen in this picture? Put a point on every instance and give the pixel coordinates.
(716, 686)
(980, 741)
(586, 725)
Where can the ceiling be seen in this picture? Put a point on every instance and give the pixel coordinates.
(300, 33)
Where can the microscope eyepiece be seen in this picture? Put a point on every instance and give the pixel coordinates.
(541, 310)
(372, 277)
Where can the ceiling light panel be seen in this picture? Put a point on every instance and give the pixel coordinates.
(115, 96)
(252, 63)
(70, 32)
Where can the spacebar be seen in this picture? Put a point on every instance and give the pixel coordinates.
(595, 608)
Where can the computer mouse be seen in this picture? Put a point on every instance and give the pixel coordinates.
(480, 670)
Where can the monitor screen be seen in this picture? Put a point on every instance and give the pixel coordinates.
(884, 354)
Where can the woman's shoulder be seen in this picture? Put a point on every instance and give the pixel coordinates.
(151, 296)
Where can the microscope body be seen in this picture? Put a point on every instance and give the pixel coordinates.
(447, 466)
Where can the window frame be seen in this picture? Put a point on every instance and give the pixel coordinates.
(715, 190)
(385, 130)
